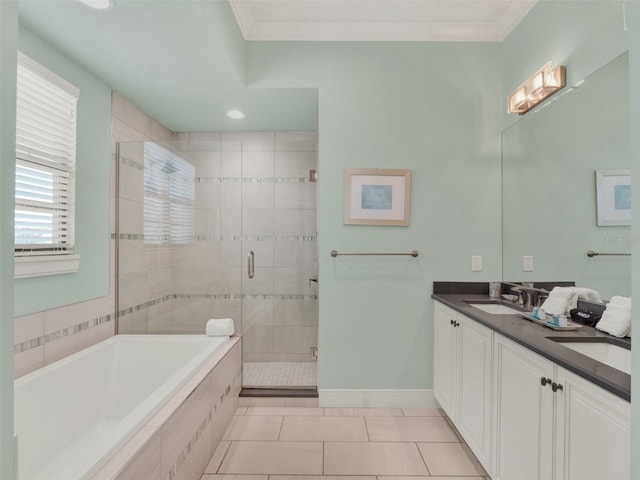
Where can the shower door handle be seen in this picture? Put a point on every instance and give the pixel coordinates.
(251, 264)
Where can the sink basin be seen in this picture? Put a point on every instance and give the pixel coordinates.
(613, 355)
(495, 308)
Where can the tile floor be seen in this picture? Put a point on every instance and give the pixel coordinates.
(311, 443)
(279, 374)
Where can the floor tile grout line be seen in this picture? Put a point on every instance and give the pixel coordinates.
(223, 457)
(423, 459)
(366, 426)
(281, 427)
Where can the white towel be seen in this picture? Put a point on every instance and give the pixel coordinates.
(560, 300)
(616, 320)
(585, 294)
(219, 327)
(617, 300)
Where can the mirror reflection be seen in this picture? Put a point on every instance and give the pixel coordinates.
(550, 159)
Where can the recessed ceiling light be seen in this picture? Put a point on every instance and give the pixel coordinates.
(235, 114)
(99, 4)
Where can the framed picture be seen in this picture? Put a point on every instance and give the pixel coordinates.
(613, 194)
(377, 197)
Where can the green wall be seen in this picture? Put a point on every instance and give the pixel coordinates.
(433, 108)
(93, 185)
(8, 53)
(633, 21)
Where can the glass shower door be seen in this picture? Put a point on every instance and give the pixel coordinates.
(279, 306)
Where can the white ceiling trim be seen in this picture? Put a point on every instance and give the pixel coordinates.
(513, 16)
(366, 30)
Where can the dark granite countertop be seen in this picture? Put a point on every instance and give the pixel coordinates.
(534, 337)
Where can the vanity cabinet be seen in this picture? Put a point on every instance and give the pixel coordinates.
(522, 415)
(552, 424)
(462, 377)
(593, 431)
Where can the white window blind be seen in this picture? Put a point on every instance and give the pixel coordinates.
(169, 197)
(45, 161)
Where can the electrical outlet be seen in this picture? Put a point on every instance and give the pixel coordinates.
(476, 263)
(527, 263)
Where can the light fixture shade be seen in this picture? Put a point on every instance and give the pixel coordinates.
(540, 86)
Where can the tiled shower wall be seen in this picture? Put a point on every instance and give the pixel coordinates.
(44, 337)
(253, 193)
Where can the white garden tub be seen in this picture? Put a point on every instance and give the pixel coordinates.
(72, 416)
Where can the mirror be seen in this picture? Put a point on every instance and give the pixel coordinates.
(549, 161)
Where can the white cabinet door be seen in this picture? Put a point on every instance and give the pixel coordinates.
(475, 347)
(593, 431)
(523, 413)
(444, 371)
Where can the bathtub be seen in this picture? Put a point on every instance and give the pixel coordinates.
(104, 412)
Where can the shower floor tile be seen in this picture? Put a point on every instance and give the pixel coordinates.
(279, 374)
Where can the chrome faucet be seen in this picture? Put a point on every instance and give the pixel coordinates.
(526, 294)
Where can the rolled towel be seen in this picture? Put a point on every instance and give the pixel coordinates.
(616, 320)
(560, 300)
(220, 327)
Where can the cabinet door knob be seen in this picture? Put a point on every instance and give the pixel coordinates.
(545, 381)
(556, 386)
(451, 322)
(456, 324)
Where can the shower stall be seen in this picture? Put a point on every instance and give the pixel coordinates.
(216, 225)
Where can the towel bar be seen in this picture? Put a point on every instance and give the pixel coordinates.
(591, 253)
(413, 253)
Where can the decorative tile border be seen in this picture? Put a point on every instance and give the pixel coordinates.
(80, 327)
(228, 238)
(131, 163)
(253, 180)
(65, 332)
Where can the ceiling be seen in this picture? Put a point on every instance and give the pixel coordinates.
(379, 20)
(183, 61)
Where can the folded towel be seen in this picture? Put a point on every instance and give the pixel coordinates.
(617, 300)
(219, 327)
(560, 300)
(616, 320)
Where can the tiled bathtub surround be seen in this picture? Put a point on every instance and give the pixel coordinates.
(44, 337)
(179, 440)
(253, 193)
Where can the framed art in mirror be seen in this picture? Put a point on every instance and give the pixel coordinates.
(613, 196)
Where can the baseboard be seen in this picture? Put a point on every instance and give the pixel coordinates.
(396, 398)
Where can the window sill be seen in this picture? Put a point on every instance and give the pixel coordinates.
(45, 265)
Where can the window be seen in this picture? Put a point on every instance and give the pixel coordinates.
(169, 197)
(45, 167)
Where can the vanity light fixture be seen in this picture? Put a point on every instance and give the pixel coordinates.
(538, 87)
(235, 114)
(99, 4)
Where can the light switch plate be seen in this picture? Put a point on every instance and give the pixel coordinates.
(476, 263)
(527, 263)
